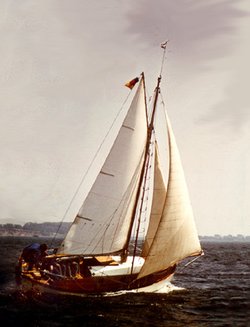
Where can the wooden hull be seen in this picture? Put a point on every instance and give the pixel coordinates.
(115, 279)
(91, 286)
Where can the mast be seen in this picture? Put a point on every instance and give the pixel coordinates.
(143, 176)
(145, 165)
(149, 135)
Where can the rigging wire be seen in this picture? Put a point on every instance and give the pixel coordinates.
(150, 132)
(163, 46)
(90, 165)
(190, 262)
(142, 218)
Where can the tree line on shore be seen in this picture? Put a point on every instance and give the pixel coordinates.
(50, 228)
(46, 227)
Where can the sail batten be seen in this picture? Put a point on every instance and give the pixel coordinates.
(110, 201)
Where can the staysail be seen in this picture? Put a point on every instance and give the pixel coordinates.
(159, 195)
(172, 234)
(101, 225)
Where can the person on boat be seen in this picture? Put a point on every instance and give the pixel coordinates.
(33, 254)
(84, 269)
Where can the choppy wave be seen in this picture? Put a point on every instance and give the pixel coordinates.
(213, 291)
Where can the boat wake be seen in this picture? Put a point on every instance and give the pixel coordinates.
(165, 288)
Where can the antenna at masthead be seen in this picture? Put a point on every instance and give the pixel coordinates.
(164, 47)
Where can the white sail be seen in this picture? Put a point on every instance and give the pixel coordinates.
(102, 223)
(175, 237)
(159, 196)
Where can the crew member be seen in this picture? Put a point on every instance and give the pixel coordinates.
(33, 254)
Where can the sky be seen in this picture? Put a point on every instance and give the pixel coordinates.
(62, 72)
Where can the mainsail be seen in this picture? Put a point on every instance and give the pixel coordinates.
(172, 234)
(102, 224)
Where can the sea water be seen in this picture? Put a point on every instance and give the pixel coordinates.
(212, 291)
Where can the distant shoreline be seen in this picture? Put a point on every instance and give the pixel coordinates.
(208, 240)
(49, 229)
(21, 233)
(37, 234)
(52, 229)
(225, 238)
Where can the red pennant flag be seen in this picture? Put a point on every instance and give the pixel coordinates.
(132, 83)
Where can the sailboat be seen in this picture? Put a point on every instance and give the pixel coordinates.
(136, 222)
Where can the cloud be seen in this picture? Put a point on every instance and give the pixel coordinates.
(204, 39)
(187, 23)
